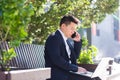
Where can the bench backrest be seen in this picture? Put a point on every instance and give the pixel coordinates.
(29, 56)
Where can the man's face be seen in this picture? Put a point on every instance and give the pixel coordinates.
(70, 29)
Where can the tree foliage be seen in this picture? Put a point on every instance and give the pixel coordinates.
(47, 17)
(14, 19)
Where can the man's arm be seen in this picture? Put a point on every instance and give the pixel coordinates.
(77, 47)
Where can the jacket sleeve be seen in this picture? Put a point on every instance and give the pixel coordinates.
(77, 47)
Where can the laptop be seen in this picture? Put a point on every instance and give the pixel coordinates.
(100, 71)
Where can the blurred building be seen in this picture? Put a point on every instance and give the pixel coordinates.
(106, 36)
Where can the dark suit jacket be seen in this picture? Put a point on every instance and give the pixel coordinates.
(57, 58)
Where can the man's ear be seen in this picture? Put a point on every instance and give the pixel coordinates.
(63, 25)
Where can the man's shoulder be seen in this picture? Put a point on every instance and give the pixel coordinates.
(54, 36)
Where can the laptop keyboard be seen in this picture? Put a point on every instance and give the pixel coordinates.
(88, 73)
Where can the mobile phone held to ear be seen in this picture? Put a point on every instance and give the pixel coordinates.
(73, 35)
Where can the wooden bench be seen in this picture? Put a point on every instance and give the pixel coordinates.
(29, 64)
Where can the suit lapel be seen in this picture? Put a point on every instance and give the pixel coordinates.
(61, 39)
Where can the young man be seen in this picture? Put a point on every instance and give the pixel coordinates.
(60, 55)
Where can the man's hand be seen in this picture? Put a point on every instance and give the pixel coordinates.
(82, 70)
(77, 37)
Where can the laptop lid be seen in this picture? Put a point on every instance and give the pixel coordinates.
(102, 67)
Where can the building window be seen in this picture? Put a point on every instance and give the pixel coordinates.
(116, 29)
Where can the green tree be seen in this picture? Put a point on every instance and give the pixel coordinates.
(13, 25)
(45, 21)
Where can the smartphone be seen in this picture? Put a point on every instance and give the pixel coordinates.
(73, 35)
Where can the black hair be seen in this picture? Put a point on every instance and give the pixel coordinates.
(67, 19)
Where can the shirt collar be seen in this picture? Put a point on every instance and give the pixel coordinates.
(64, 37)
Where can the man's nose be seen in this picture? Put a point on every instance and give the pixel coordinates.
(73, 31)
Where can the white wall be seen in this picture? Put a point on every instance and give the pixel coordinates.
(106, 44)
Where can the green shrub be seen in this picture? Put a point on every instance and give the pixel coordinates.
(88, 53)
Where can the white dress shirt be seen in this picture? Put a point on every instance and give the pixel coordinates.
(67, 47)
